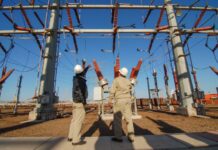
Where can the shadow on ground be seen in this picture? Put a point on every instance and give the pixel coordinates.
(165, 127)
(19, 126)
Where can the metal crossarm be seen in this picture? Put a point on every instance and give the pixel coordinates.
(157, 28)
(148, 13)
(195, 25)
(25, 16)
(147, 16)
(31, 27)
(200, 17)
(76, 13)
(108, 31)
(121, 6)
(9, 19)
(115, 26)
(160, 17)
(152, 41)
(23, 29)
(204, 28)
(69, 16)
(71, 28)
(39, 19)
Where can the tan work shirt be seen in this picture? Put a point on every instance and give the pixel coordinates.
(121, 90)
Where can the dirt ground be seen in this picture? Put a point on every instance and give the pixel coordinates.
(152, 122)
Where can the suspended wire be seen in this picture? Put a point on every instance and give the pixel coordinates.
(7, 53)
(21, 46)
(27, 59)
(14, 62)
(159, 46)
(206, 21)
(185, 15)
(213, 49)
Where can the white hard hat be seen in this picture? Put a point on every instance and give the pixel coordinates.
(78, 69)
(123, 71)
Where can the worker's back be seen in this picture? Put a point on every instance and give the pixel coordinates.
(121, 89)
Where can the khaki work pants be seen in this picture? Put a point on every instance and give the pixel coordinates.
(123, 109)
(76, 122)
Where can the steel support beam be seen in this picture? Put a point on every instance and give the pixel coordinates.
(92, 31)
(121, 6)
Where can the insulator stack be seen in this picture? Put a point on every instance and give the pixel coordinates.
(135, 70)
(117, 67)
(176, 81)
(97, 70)
(5, 75)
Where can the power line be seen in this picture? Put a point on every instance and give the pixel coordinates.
(11, 61)
(21, 46)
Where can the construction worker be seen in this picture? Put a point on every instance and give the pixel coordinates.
(120, 92)
(80, 93)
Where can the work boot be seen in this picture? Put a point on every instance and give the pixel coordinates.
(130, 139)
(79, 143)
(69, 139)
(116, 139)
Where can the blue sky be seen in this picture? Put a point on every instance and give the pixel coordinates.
(25, 55)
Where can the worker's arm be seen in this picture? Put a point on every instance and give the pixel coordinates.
(112, 91)
(87, 68)
(84, 67)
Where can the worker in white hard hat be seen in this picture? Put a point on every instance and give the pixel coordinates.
(121, 93)
(79, 93)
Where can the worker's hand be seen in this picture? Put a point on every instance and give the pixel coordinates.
(83, 60)
(89, 66)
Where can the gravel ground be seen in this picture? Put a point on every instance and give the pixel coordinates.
(151, 123)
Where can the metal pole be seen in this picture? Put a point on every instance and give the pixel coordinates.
(155, 82)
(44, 109)
(194, 75)
(156, 88)
(180, 63)
(149, 94)
(176, 85)
(166, 78)
(17, 100)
